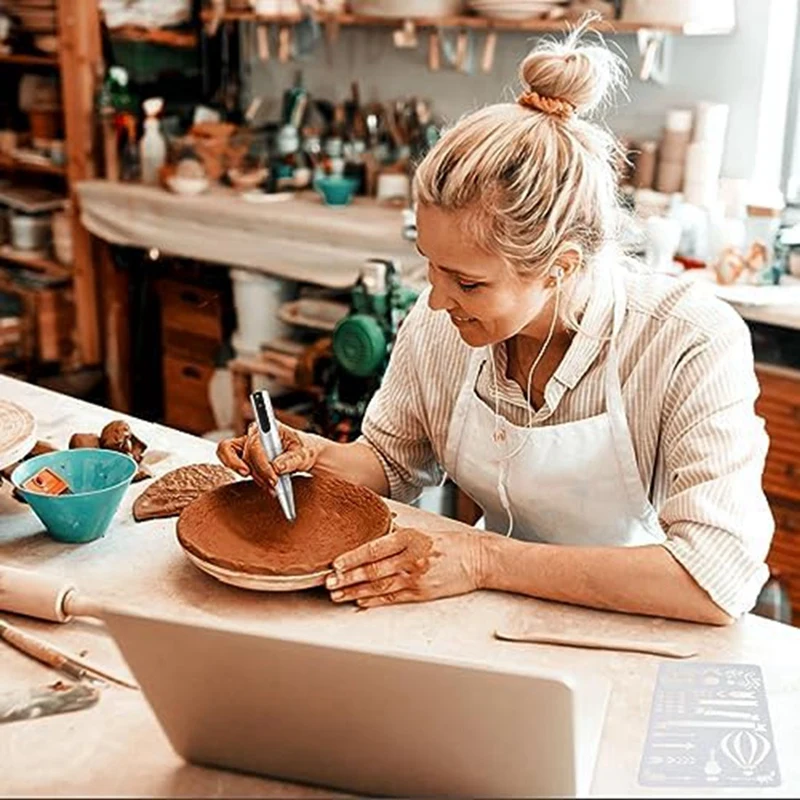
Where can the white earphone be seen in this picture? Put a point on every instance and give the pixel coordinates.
(556, 272)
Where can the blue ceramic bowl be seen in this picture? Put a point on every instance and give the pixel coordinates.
(336, 190)
(98, 480)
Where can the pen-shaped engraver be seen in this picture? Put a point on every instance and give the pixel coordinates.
(271, 439)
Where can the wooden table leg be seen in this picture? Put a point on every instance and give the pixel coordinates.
(116, 327)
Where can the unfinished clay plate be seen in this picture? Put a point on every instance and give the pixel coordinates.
(238, 533)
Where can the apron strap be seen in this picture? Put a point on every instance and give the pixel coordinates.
(615, 406)
(459, 417)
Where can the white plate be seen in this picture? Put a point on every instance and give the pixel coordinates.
(260, 583)
(514, 3)
(514, 12)
(17, 433)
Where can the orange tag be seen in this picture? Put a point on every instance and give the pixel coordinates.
(45, 481)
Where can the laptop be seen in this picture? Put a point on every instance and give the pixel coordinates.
(376, 723)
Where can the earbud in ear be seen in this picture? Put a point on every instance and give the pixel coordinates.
(557, 273)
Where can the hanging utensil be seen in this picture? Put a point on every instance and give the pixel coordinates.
(461, 50)
(332, 29)
(284, 44)
(434, 55)
(262, 35)
(217, 14)
(489, 47)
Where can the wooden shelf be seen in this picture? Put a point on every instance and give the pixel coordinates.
(29, 60)
(14, 165)
(169, 38)
(45, 265)
(472, 22)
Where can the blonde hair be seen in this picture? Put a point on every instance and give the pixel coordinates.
(537, 178)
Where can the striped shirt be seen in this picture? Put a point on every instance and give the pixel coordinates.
(688, 385)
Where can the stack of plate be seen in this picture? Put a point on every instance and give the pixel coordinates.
(518, 9)
(36, 16)
(146, 13)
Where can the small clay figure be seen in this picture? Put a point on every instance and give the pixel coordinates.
(117, 435)
(81, 440)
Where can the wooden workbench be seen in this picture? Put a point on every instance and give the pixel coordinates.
(117, 747)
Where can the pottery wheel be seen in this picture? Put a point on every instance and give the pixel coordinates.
(241, 528)
(17, 433)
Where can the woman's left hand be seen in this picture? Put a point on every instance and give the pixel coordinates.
(407, 566)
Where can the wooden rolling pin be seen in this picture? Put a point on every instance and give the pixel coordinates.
(667, 649)
(42, 596)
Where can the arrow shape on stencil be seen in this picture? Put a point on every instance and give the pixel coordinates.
(711, 712)
(707, 723)
(675, 745)
(736, 703)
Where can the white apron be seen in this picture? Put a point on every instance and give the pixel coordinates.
(572, 484)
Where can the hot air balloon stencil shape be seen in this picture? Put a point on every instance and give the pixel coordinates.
(746, 749)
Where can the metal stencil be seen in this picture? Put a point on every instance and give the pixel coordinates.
(709, 726)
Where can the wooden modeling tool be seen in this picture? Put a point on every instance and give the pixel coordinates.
(47, 654)
(667, 649)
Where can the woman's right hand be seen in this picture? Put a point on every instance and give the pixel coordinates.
(246, 455)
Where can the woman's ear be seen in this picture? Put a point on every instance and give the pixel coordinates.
(566, 264)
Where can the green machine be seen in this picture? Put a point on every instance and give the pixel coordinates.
(362, 344)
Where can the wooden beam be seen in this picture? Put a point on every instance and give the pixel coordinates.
(80, 54)
(116, 327)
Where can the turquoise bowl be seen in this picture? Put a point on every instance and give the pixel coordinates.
(336, 190)
(98, 480)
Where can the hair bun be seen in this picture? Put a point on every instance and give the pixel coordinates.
(581, 74)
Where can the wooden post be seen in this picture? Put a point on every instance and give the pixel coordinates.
(116, 327)
(80, 57)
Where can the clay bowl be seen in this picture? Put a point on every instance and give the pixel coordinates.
(237, 533)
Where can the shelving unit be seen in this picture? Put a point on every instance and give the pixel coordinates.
(62, 312)
(168, 38)
(25, 60)
(45, 265)
(465, 21)
(8, 164)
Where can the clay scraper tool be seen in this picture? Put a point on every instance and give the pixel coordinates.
(271, 439)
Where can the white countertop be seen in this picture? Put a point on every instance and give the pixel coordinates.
(117, 748)
(300, 238)
(772, 305)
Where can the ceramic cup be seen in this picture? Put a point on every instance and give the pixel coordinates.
(336, 190)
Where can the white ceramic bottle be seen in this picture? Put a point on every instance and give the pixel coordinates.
(153, 146)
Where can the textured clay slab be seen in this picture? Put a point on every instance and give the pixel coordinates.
(241, 526)
(172, 492)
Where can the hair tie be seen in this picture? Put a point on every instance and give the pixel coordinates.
(554, 106)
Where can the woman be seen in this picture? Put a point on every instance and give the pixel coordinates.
(602, 419)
